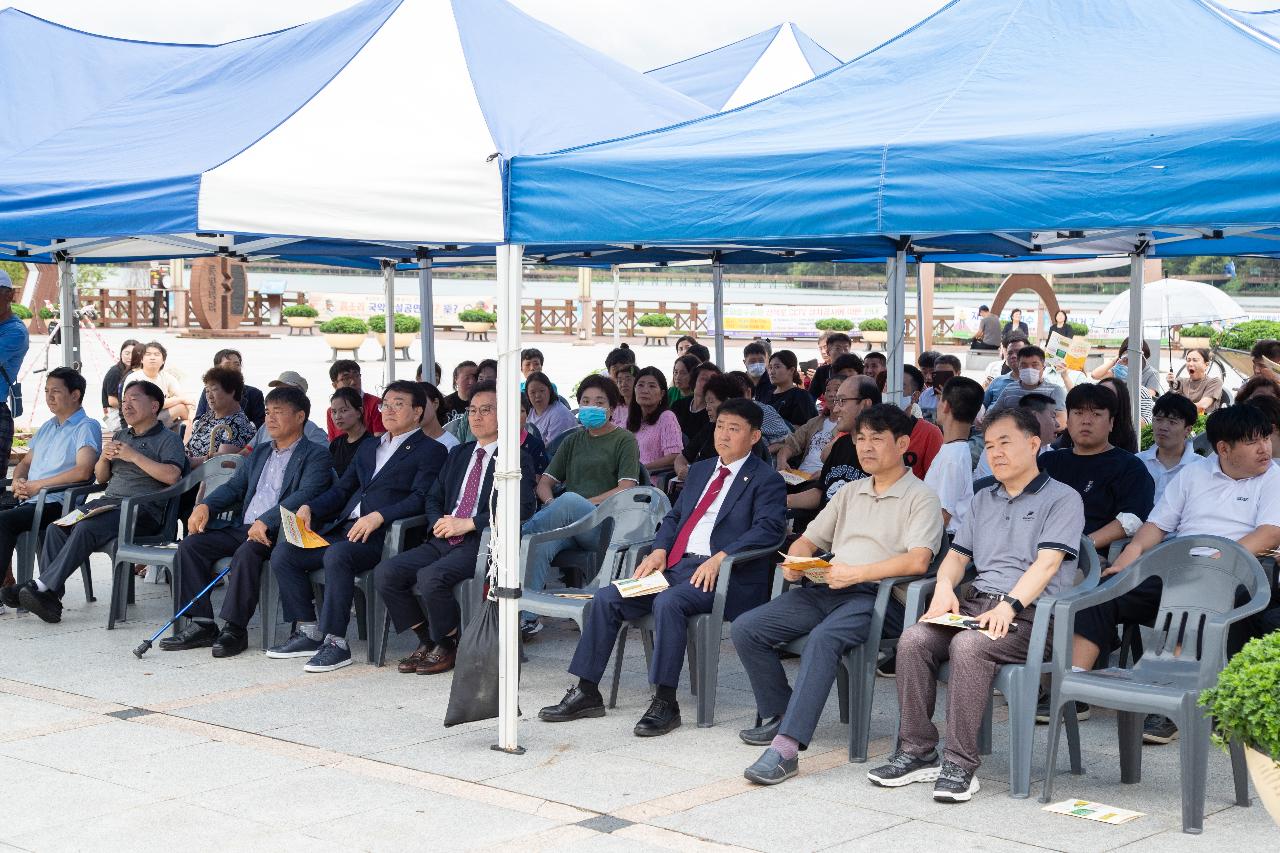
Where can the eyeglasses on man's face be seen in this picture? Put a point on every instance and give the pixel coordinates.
(480, 411)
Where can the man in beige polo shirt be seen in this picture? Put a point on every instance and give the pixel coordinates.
(885, 525)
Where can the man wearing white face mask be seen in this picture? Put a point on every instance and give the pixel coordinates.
(1031, 381)
(755, 359)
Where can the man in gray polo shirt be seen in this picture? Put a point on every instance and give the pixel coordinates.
(882, 526)
(1022, 535)
(144, 457)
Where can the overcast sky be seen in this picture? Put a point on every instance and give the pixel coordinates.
(642, 33)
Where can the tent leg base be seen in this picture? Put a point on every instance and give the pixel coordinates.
(517, 750)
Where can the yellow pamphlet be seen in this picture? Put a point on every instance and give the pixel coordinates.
(297, 533)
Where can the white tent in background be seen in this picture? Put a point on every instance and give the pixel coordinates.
(746, 71)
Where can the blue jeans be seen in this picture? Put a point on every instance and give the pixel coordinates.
(561, 512)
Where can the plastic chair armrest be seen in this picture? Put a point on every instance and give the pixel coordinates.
(399, 529)
(726, 569)
(582, 525)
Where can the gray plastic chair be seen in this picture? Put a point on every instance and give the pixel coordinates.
(856, 678)
(158, 549)
(1201, 576)
(627, 522)
(1019, 683)
(28, 541)
(467, 592)
(706, 630)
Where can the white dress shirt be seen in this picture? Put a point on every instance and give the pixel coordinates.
(387, 446)
(1161, 474)
(489, 449)
(700, 538)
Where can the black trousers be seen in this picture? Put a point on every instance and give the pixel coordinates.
(193, 567)
(342, 561)
(16, 521)
(417, 585)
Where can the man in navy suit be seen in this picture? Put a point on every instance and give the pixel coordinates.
(387, 481)
(731, 504)
(284, 472)
(457, 515)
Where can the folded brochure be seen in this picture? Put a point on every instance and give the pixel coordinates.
(1094, 811)
(297, 533)
(80, 514)
(813, 568)
(955, 620)
(647, 585)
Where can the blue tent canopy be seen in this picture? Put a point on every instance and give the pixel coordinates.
(1051, 121)
(751, 68)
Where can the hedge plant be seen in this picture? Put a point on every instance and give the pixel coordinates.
(22, 312)
(1245, 703)
(833, 324)
(874, 324)
(299, 311)
(1198, 331)
(1080, 330)
(405, 324)
(344, 326)
(47, 313)
(1244, 335)
(656, 321)
(477, 315)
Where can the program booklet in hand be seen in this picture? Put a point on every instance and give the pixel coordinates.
(647, 585)
(955, 620)
(813, 568)
(297, 533)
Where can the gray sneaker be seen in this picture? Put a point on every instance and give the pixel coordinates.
(955, 784)
(299, 645)
(904, 768)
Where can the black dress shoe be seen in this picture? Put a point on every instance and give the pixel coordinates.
(574, 706)
(9, 595)
(196, 636)
(662, 717)
(46, 605)
(763, 734)
(232, 641)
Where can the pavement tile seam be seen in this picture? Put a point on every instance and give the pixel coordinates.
(300, 680)
(74, 701)
(50, 729)
(672, 839)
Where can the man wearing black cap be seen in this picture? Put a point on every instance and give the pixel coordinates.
(988, 334)
(13, 348)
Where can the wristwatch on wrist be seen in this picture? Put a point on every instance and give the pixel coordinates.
(1012, 602)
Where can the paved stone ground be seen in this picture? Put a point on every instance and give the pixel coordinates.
(101, 751)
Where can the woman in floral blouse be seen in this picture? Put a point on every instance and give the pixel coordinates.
(224, 427)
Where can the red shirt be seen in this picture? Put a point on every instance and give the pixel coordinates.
(372, 418)
(926, 441)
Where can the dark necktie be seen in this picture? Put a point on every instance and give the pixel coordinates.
(470, 492)
(686, 530)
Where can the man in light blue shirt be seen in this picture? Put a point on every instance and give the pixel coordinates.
(62, 452)
(13, 349)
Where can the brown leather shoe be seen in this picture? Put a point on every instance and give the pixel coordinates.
(409, 665)
(439, 660)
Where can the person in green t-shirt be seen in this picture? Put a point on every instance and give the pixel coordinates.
(592, 464)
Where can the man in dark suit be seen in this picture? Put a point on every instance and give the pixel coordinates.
(733, 503)
(387, 481)
(457, 515)
(287, 471)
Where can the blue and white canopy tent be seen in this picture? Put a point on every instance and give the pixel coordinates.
(1077, 126)
(382, 131)
(750, 69)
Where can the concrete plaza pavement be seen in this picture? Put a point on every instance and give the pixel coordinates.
(102, 751)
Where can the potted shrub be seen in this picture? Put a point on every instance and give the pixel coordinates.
(344, 332)
(47, 313)
(1245, 706)
(477, 319)
(1195, 337)
(300, 316)
(656, 325)
(874, 330)
(406, 329)
(833, 324)
(1080, 330)
(1244, 335)
(23, 313)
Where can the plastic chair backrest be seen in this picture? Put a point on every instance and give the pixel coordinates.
(636, 514)
(1200, 577)
(216, 472)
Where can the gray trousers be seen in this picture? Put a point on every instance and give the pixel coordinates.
(66, 549)
(975, 658)
(835, 620)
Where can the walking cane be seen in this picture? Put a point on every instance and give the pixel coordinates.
(145, 645)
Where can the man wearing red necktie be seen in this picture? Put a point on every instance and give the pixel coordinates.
(731, 504)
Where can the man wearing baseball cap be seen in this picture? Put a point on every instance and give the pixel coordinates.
(310, 431)
(13, 349)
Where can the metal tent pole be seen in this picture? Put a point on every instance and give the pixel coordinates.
(68, 322)
(896, 279)
(717, 292)
(389, 350)
(617, 295)
(426, 311)
(506, 479)
(1136, 335)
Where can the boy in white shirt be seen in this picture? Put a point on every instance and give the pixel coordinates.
(950, 474)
